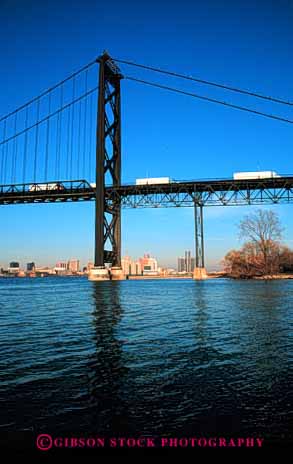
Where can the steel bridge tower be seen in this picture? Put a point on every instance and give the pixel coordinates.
(108, 171)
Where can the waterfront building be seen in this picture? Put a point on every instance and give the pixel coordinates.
(61, 267)
(130, 266)
(181, 265)
(192, 264)
(126, 265)
(73, 265)
(188, 261)
(13, 267)
(90, 265)
(170, 271)
(186, 264)
(45, 271)
(136, 268)
(30, 267)
(148, 264)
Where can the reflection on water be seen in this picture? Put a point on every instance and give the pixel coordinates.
(147, 357)
(105, 368)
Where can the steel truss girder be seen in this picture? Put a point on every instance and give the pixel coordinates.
(212, 193)
(206, 194)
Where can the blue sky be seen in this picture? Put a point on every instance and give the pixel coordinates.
(246, 44)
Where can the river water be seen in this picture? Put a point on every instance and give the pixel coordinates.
(148, 357)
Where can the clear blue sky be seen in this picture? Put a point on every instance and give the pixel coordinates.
(247, 44)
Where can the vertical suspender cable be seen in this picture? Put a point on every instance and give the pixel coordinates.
(25, 146)
(72, 128)
(14, 151)
(78, 142)
(47, 140)
(36, 141)
(3, 153)
(57, 144)
(16, 155)
(90, 135)
(85, 127)
(68, 142)
(59, 136)
(6, 159)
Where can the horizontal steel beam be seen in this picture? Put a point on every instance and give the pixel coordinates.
(175, 194)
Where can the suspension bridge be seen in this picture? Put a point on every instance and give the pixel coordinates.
(49, 145)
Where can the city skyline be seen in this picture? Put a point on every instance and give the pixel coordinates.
(221, 235)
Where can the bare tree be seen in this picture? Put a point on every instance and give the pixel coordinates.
(263, 229)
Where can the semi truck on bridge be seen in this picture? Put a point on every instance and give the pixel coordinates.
(153, 180)
(255, 175)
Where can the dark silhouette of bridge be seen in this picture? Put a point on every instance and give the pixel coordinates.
(75, 125)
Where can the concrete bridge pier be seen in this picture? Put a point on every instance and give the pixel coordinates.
(99, 273)
(117, 273)
(199, 272)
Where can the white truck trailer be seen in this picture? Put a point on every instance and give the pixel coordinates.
(255, 175)
(153, 180)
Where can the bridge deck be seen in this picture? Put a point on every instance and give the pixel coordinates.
(207, 192)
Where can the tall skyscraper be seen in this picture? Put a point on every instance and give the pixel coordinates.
(192, 264)
(187, 263)
(181, 264)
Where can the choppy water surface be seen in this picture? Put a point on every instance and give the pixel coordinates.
(147, 357)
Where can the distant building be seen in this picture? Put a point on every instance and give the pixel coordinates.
(126, 265)
(30, 267)
(187, 261)
(130, 266)
(13, 267)
(61, 267)
(170, 271)
(181, 265)
(136, 268)
(186, 264)
(45, 271)
(90, 265)
(148, 264)
(73, 265)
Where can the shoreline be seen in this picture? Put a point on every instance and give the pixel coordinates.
(209, 276)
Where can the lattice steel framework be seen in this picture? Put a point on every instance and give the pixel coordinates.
(108, 163)
(199, 236)
(177, 194)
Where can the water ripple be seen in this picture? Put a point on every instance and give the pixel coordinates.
(147, 357)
